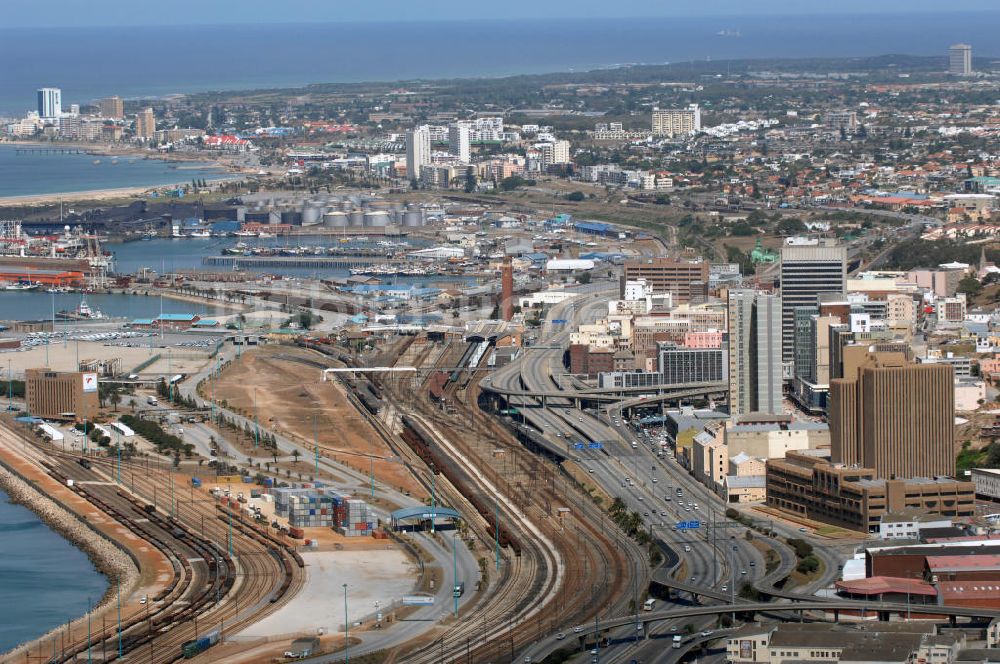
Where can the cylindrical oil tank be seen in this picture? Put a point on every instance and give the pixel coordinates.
(357, 218)
(413, 218)
(376, 219)
(311, 214)
(334, 219)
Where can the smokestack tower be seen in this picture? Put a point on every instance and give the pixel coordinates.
(507, 289)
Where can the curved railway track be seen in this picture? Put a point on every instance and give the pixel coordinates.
(211, 590)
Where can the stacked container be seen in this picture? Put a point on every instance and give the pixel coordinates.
(314, 510)
(357, 521)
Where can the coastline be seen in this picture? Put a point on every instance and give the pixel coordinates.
(227, 171)
(110, 559)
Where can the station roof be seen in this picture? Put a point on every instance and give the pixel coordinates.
(424, 512)
(876, 585)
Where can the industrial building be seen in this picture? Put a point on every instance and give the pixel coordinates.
(70, 395)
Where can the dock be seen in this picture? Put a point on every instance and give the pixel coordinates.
(300, 261)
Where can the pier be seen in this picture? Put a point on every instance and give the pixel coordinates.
(300, 261)
(49, 151)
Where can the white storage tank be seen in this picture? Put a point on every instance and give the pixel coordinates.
(357, 219)
(413, 218)
(334, 219)
(376, 219)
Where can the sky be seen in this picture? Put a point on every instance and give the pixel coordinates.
(74, 13)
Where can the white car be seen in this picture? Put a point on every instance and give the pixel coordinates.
(560, 636)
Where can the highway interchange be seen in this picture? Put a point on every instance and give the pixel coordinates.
(657, 488)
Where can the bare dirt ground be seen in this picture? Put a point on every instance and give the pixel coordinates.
(292, 400)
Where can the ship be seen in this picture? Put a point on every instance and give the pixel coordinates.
(21, 286)
(83, 311)
(728, 33)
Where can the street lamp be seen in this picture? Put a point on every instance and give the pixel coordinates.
(347, 654)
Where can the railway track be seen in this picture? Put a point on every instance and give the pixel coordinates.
(212, 590)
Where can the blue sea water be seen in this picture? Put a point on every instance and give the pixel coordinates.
(88, 63)
(44, 580)
(28, 174)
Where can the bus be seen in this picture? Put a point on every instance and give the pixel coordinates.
(649, 604)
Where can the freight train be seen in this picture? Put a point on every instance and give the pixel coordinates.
(424, 446)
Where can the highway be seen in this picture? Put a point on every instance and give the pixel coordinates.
(719, 558)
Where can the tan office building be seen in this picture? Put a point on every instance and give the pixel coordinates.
(807, 484)
(53, 395)
(686, 281)
(894, 417)
(112, 108)
(145, 124)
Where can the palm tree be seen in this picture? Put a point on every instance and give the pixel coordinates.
(115, 398)
(296, 454)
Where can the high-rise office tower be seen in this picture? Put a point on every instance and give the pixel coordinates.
(754, 352)
(960, 60)
(49, 102)
(807, 271)
(112, 108)
(894, 416)
(459, 135)
(418, 151)
(145, 124)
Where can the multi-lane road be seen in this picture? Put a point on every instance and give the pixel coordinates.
(623, 461)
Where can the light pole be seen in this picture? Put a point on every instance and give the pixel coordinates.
(347, 643)
(454, 569)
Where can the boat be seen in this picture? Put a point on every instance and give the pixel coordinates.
(21, 286)
(200, 234)
(83, 311)
(728, 33)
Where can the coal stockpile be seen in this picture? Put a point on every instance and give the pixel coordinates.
(424, 446)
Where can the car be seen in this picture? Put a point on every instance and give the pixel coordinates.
(142, 600)
(694, 579)
(673, 628)
(803, 530)
(743, 571)
(591, 471)
(560, 636)
(725, 588)
(687, 547)
(663, 513)
(640, 499)
(753, 564)
(694, 507)
(577, 629)
(655, 480)
(527, 659)
(707, 632)
(645, 513)
(687, 509)
(594, 651)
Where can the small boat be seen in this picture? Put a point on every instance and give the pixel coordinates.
(21, 286)
(96, 162)
(199, 234)
(83, 311)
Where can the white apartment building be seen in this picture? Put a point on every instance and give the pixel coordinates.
(676, 122)
(418, 151)
(459, 141)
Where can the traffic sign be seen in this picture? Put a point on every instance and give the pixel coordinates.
(558, 321)
(688, 525)
(595, 446)
(578, 446)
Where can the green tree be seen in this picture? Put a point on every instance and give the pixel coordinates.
(969, 285)
(575, 196)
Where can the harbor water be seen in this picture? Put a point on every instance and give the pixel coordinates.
(45, 579)
(36, 173)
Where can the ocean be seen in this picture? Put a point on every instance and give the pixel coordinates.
(29, 174)
(45, 579)
(89, 63)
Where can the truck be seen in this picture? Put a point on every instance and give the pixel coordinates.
(459, 589)
(152, 401)
(677, 641)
